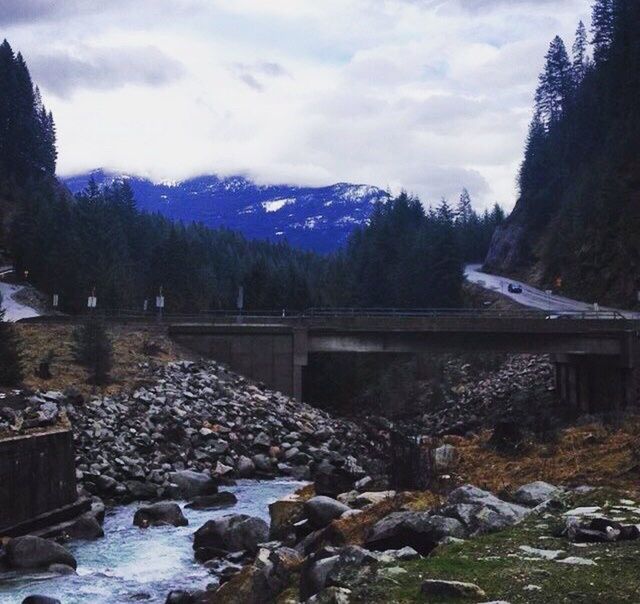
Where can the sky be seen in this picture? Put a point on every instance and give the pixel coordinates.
(428, 96)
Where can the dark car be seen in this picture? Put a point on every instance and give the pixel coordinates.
(514, 288)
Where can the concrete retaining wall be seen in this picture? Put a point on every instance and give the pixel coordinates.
(37, 476)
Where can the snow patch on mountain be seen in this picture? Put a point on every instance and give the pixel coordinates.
(315, 218)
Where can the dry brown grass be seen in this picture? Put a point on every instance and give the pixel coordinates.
(593, 455)
(128, 343)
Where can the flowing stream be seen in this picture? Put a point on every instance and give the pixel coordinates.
(141, 565)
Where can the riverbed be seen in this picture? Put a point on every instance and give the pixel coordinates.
(141, 565)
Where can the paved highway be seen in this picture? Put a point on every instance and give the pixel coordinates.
(531, 296)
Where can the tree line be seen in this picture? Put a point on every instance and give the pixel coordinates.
(579, 191)
(99, 241)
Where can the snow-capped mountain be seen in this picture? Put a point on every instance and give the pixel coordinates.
(318, 219)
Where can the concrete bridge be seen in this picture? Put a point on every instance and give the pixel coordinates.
(596, 354)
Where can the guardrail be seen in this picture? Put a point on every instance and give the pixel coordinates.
(290, 316)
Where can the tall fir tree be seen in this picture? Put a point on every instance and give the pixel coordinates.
(555, 85)
(602, 28)
(581, 61)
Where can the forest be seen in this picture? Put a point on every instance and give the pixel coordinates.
(577, 222)
(99, 241)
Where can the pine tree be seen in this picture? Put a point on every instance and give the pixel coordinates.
(93, 349)
(581, 61)
(602, 28)
(464, 210)
(10, 366)
(531, 171)
(555, 86)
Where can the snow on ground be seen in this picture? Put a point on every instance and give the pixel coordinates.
(277, 204)
(15, 310)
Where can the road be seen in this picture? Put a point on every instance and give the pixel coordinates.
(14, 310)
(531, 296)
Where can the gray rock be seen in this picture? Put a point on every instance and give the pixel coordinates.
(213, 502)
(245, 468)
(31, 552)
(85, 527)
(322, 510)
(445, 458)
(536, 493)
(232, 533)
(331, 595)
(418, 530)
(482, 512)
(40, 600)
(191, 484)
(163, 513)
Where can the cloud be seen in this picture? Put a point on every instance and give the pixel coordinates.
(104, 69)
(426, 95)
(254, 75)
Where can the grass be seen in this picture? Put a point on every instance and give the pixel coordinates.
(503, 571)
(129, 351)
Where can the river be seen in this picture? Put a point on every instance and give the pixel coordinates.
(131, 564)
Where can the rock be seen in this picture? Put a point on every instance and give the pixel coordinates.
(140, 491)
(213, 502)
(482, 512)
(418, 530)
(284, 514)
(85, 527)
(315, 572)
(191, 484)
(577, 560)
(61, 569)
(322, 510)
(451, 589)
(445, 458)
(331, 595)
(331, 481)
(31, 552)
(40, 600)
(372, 497)
(232, 533)
(163, 513)
(179, 597)
(245, 468)
(535, 493)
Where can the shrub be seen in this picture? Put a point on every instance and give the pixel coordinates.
(10, 361)
(93, 349)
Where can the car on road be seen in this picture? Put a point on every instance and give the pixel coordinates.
(514, 288)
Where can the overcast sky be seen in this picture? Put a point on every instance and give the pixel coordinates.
(428, 95)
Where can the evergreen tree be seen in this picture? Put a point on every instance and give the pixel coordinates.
(555, 85)
(602, 28)
(464, 209)
(93, 349)
(532, 169)
(10, 365)
(581, 60)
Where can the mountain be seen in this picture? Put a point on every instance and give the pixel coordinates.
(312, 218)
(576, 225)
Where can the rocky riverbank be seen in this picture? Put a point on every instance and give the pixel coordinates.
(196, 417)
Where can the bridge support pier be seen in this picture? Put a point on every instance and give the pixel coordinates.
(594, 383)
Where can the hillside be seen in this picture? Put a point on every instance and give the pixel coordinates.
(319, 219)
(575, 226)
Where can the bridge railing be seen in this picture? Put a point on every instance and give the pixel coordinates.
(292, 316)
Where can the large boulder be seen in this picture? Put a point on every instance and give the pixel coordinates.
(482, 512)
(420, 530)
(35, 599)
(213, 502)
(232, 533)
(331, 480)
(536, 493)
(322, 510)
(190, 484)
(285, 513)
(163, 513)
(85, 527)
(31, 552)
